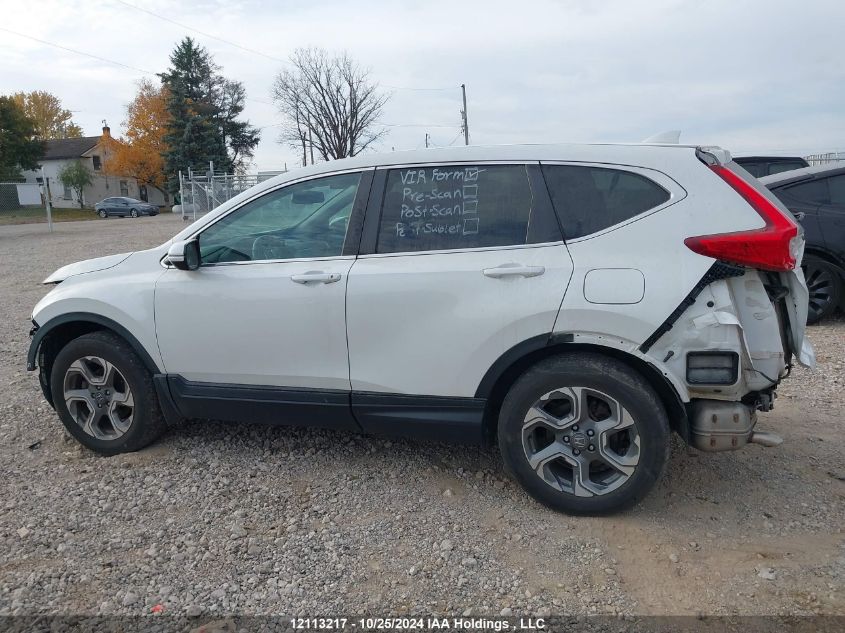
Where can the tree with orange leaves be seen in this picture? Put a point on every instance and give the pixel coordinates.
(140, 154)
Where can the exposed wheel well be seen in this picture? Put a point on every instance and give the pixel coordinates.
(675, 409)
(60, 331)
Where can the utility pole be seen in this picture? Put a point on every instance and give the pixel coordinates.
(47, 200)
(464, 114)
(310, 140)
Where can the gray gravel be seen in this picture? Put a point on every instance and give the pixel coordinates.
(217, 519)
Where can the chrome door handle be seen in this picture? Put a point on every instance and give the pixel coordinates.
(316, 276)
(513, 270)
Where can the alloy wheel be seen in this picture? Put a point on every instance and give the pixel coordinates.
(98, 398)
(581, 441)
(821, 284)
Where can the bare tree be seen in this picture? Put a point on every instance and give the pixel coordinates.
(328, 103)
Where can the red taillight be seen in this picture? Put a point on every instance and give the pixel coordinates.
(768, 248)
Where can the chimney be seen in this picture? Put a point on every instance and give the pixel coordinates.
(106, 129)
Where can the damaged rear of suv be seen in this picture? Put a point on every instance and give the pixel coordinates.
(575, 303)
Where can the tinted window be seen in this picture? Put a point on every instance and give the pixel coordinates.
(450, 207)
(813, 192)
(307, 219)
(776, 168)
(589, 199)
(837, 189)
(755, 169)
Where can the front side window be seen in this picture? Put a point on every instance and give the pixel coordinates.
(455, 207)
(812, 192)
(590, 199)
(837, 190)
(306, 219)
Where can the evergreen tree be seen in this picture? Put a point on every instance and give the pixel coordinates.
(203, 107)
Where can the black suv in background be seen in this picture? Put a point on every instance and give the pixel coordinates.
(816, 196)
(759, 166)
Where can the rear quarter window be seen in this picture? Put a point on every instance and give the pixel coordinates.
(590, 199)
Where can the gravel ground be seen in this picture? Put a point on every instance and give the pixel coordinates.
(217, 519)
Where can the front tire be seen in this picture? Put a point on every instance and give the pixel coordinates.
(102, 213)
(104, 394)
(584, 434)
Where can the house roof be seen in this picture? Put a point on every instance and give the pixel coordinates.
(69, 147)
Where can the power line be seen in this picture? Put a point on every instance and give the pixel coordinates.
(414, 125)
(203, 33)
(72, 50)
(417, 89)
(104, 59)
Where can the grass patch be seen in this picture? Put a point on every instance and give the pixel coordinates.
(34, 215)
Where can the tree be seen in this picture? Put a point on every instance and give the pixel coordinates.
(203, 108)
(141, 153)
(19, 147)
(51, 119)
(328, 103)
(76, 176)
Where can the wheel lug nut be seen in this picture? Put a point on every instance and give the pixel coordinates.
(591, 447)
(575, 428)
(576, 452)
(566, 439)
(591, 432)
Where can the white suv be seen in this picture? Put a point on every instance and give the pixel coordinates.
(575, 302)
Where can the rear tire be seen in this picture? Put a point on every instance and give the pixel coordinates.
(134, 213)
(824, 285)
(584, 434)
(104, 394)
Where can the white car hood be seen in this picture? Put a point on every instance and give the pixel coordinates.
(85, 266)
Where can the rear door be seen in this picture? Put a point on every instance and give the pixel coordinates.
(459, 263)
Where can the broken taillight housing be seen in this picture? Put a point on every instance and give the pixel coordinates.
(773, 247)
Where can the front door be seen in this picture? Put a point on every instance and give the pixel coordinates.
(263, 318)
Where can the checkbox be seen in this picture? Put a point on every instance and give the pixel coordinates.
(470, 192)
(471, 226)
(470, 174)
(470, 206)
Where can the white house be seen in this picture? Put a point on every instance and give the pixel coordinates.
(92, 151)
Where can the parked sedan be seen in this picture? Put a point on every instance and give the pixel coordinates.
(123, 207)
(816, 197)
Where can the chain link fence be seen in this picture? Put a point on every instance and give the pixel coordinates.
(200, 193)
(19, 200)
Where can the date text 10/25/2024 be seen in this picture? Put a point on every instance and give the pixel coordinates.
(418, 624)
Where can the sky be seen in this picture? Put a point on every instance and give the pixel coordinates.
(752, 76)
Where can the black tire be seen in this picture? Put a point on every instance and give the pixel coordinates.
(594, 373)
(824, 283)
(134, 213)
(103, 213)
(147, 422)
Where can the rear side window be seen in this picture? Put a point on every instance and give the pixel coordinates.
(776, 168)
(813, 192)
(455, 207)
(758, 170)
(590, 199)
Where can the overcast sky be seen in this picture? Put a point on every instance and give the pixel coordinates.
(751, 76)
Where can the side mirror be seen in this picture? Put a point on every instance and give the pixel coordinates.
(184, 255)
